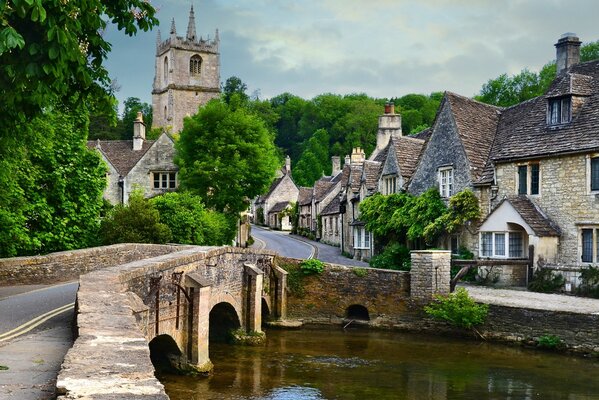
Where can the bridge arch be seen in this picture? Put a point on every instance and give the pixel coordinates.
(165, 353)
(266, 310)
(357, 312)
(223, 318)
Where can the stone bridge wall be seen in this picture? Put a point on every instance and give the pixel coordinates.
(69, 265)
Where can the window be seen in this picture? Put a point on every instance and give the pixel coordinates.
(589, 244)
(164, 180)
(195, 65)
(361, 238)
(595, 174)
(165, 69)
(559, 111)
(529, 179)
(455, 245)
(500, 244)
(446, 181)
(389, 184)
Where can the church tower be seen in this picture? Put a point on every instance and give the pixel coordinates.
(187, 75)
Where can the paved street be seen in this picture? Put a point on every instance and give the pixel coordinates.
(295, 246)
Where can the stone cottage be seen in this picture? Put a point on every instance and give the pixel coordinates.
(138, 164)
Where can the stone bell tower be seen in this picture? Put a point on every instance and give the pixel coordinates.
(187, 75)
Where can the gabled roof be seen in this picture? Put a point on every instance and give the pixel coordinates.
(370, 174)
(333, 207)
(537, 220)
(355, 177)
(423, 134)
(523, 132)
(476, 123)
(407, 152)
(273, 186)
(280, 206)
(305, 196)
(120, 153)
(322, 187)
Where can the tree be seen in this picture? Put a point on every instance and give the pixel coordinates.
(52, 186)
(234, 86)
(131, 107)
(226, 156)
(136, 222)
(51, 52)
(314, 161)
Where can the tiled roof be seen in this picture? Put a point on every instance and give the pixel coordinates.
(570, 83)
(273, 186)
(120, 153)
(424, 134)
(477, 124)
(533, 216)
(280, 206)
(322, 187)
(371, 173)
(332, 207)
(345, 172)
(305, 196)
(523, 131)
(355, 177)
(407, 151)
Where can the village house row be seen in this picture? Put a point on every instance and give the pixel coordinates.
(534, 168)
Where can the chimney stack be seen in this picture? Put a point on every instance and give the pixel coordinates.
(389, 125)
(357, 156)
(347, 160)
(336, 161)
(567, 51)
(287, 165)
(139, 131)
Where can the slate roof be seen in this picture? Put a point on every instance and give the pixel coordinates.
(280, 206)
(424, 134)
(532, 215)
(407, 151)
(523, 132)
(120, 153)
(305, 196)
(273, 186)
(322, 187)
(477, 124)
(371, 173)
(355, 177)
(333, 207)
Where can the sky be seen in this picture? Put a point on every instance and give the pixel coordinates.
(384, 48)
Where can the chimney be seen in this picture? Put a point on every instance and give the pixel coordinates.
(567, 51)
(336, 161)
(347, 160)
(139, 132)
(357, 156)
(389, 125)
(287, 164)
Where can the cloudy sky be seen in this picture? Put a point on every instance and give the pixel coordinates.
(383, 48)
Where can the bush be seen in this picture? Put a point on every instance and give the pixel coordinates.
(589, 282)
(312, 267)
(459, 309)
(549, 342)
(545, 281)
(395, 256)
(360, 272)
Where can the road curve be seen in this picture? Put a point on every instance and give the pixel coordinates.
(282, 243)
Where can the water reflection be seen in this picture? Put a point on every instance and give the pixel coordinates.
(358, 364)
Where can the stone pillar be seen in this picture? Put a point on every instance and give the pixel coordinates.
(280, 297)
(430, 274)
(253, 310)
(200, 356)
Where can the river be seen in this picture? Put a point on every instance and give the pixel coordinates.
(362, 364)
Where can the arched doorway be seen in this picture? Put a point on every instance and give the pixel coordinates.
(223, 319)
(165, 354)
(357, 312)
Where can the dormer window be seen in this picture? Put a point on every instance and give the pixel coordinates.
(559, 111)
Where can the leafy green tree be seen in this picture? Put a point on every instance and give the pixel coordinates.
(131, 107)
(190, 222)
(226, 156)
(289, 109)
(234, 86)
(136, 222)
(52, 186)
(314, 161)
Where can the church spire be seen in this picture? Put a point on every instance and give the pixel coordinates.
(158, 38)
(191, 26)
(173, 28)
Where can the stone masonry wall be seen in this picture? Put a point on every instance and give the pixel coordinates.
(564, 196)
(430, 274)
(69, 265)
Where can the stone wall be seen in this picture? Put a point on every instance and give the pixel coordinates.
(69, 265)
(430, 274)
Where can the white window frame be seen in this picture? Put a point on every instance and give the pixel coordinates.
(362, 238)
(506, 244)
(389, 184)
(446, 181)
(164, 180)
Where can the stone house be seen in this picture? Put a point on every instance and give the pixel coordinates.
(546, 157)
(138, 164)
(304, 204)
(187, 75)
(269, 209)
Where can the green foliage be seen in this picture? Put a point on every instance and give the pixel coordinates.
(545, 281)
(589, 51)
(52, 186)
(226, 156)
(190, 223)
(136, 222)
(234, 87)
(418, 111)
(463, 207)
(312, 267)
(260, 216)
(3, 368)
(131, 107)
(422, 212)
(314, 161)
(360, 272)
(550, 342)
(589, 282)
(295, 279)
(395, 256)
(52, 52)
(377, 211)
(459, 309)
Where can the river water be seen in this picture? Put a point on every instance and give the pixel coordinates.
(362, 364)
